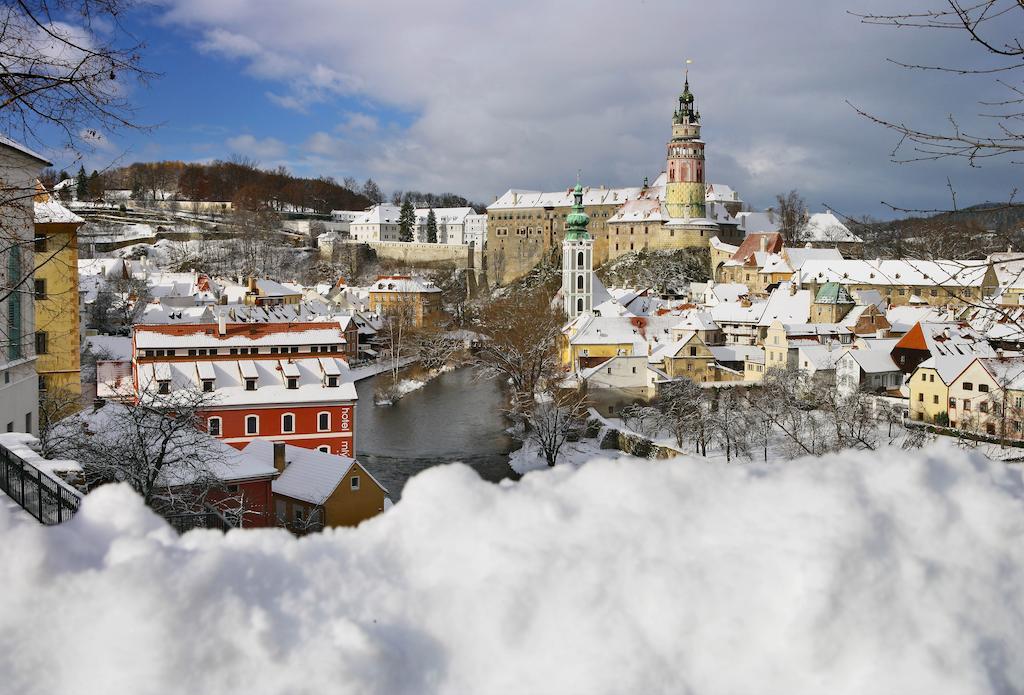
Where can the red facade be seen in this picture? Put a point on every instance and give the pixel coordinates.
(307, 426)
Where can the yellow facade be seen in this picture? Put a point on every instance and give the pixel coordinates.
(58, 341)
(929, 396)
(971, 400)
(776, 347)
(345, 506)
(692, 360)
(424, 307)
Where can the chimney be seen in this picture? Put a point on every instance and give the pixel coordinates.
(279, 463)
(222, 328)
(763, 242)
(792, 290)
(880, 333)
(252, 284)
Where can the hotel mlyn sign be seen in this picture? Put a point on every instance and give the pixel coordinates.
(281, 382)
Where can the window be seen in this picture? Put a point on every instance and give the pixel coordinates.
(609, 370)
(213, 426)
(967, 404)
(250, 384)
(952, 403)
(252, 424)
(332, 381)
(40, 288)
(324, 448)
(931, 378)
(935, 400)
(579, 304)
(354, 482)
(42, 343)
(983, 388)
(579, 282)
(983, 407)
(207, 385)
(293, 382)
(164, 386)
(968, 386)
(40, 243)
(323, 422)
(579, 259)
(287, 423)
(920, 398)
(299, 514)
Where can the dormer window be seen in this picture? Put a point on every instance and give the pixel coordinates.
(250, 384)
(292, 382)
(207, 385)
(332, 381)
(163, 386)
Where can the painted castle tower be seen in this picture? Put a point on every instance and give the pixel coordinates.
(685, 192)
(577, 260)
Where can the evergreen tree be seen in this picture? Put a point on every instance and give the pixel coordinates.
(406, 222)
(431, 227)
(95, 185)
(81, 184)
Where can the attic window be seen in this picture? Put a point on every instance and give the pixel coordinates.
(332, 381)
(164, 386)
(207, 385)
(293, 382)
(250, 384)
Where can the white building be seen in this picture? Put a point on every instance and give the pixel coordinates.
(19, 383)
(476, 230)
(379, 223)
(451, 224)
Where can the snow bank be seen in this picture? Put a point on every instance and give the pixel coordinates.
(882, 573)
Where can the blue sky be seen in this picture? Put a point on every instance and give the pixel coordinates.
(477, 97)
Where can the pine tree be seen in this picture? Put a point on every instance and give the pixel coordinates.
(95, 185)
(406, 221)
(81, 184)
(431, 227)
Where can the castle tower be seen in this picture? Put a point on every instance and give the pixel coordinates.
(577, 260)
(685, 191)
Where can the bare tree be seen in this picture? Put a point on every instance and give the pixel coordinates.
(158, 446)
(731, 424)
(434, 348)
(255, 239)
(553, 418)
(995, 27)
(685, 410)
(398, 320)
(70, 77)
(520, 345)
(792, 218)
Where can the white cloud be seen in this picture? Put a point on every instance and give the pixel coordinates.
(881, 572)
(267, 149)
(523, 94)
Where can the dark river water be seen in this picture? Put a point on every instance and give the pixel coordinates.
(455, 417)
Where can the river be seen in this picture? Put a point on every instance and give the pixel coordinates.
(455, 417)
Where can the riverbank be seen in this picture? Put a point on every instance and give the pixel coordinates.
(371, 370)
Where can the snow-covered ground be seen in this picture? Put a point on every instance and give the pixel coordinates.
(890, 572)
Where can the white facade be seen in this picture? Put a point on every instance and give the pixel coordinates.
(578, 276)
(19, 383)
(379, 223)
(476, 230)
(451, 224)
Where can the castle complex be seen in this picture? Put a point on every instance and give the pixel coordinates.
(678, 210)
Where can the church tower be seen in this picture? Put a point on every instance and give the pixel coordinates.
(685, 191)
(577, 260)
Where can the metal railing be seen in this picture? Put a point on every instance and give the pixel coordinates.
(39, 494)
(210, 518)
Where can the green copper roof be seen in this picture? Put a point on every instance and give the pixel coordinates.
(686, 113)
(576, 221)
(833, 293)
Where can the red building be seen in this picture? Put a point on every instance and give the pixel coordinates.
(286, 382)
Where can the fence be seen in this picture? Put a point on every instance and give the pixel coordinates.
(43, 497)
(51, 501)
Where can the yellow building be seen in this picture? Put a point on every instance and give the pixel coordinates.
(929, 386)
(57, 338)
(316, 490)
(689, 357)
(393, 293)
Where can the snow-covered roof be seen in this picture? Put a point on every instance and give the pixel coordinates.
(801, 254)
(737, 353)
(756, 222)
(695, 320)
(443, 215)
(117, 347)
(790, 308)
(948, 367)
(403, 284)
(48, 210)
(873, 361)
(720, 193)
(230, 375)
(524, 199)
(100, 266)
(14, 145)
(820, 357)
(720, 245)
(310, 475)
(825, 227)
(237, 335)
(641, 210)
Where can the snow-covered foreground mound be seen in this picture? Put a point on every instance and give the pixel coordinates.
(883, 573)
